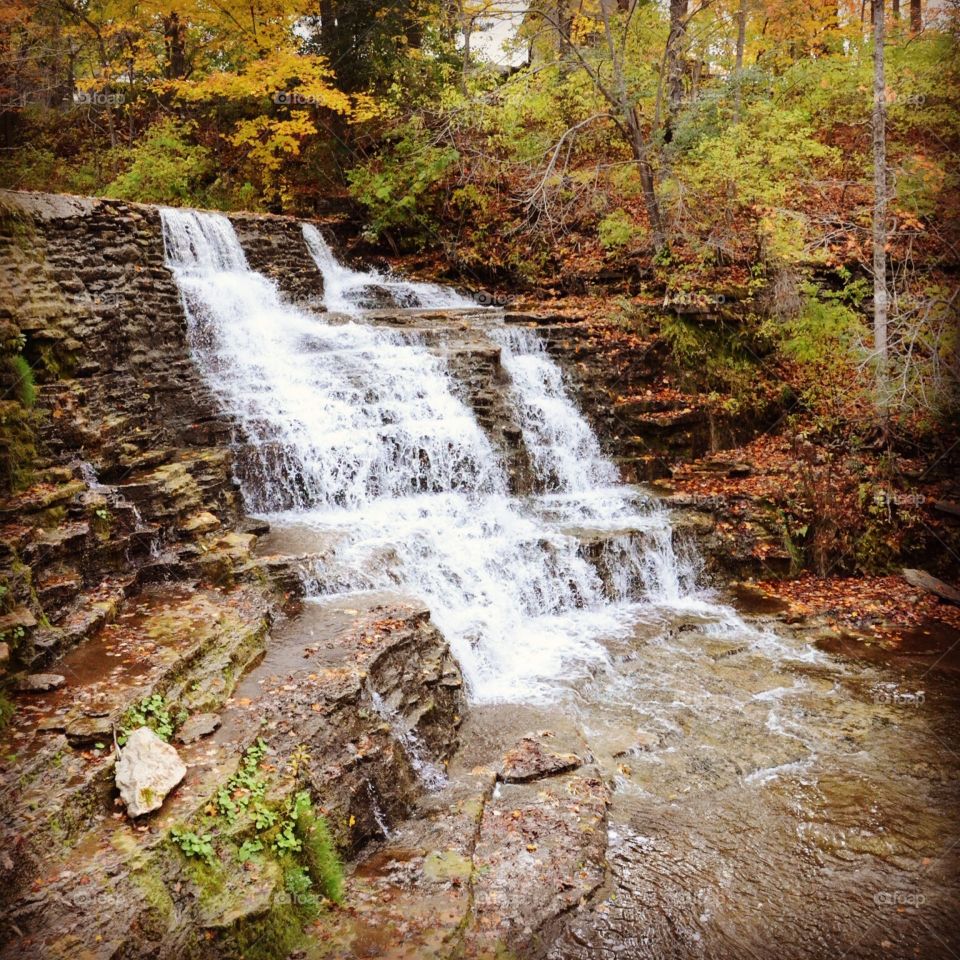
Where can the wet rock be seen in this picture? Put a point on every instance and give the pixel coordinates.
(21, 619)
(200, 523)
(198, 726)
(533, 758)
(540, 851)
(644, 742)
(84, 731)
(147, 771)
(40, 682)
(259, 528)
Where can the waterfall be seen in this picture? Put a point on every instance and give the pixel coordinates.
(357, 434)
(565, 452)
(351, 291)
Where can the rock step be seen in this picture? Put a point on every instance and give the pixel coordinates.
(312, 701)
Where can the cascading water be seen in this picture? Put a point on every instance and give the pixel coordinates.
(565, 451)
(738, 758)
(351, 291)
(357, 432)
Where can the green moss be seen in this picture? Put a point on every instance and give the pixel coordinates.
(278, 934)
(24, 387)
(319, 854)
(18, 451)
(208, 878)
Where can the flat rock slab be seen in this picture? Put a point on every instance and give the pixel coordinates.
(541, 851)
(198, 726)
(87, 730)
(40, 682)
(21, 617)
(535, 757)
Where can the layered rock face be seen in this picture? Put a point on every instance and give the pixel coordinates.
(131, 575)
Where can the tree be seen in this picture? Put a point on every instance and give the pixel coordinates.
(674, 64)
(880, 202)
(581, 39)
(916, 17)
(738, 65)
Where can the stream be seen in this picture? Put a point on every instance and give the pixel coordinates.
(769, 798)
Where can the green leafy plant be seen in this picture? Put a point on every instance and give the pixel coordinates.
(150, 712)
(194, 845)
(245, 789)
(401, 190)
(166, 167)
(616, 231)
(249, 849)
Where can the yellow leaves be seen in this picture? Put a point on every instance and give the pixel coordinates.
(583, 28)
(271, 141)
(285, 77)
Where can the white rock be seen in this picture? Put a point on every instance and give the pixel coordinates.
(148, 769)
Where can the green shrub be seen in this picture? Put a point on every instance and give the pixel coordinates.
(617, 231)
(402, 190)
(166, 168)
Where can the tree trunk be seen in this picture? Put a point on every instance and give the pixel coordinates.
(466, 28)
(916, 17)
(895, 9)
(174, 41)
(880, 300)
(641, 154)
(674, 64)
(738, 68)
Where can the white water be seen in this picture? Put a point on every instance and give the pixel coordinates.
(357, 433)
(565, 451)
(351, 291)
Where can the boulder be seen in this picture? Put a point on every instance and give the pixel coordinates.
(924, 581)
(147, 771)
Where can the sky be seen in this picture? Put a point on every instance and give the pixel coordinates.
(490, 42)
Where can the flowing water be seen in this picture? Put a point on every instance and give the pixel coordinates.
(760, 784)
(351, 291)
